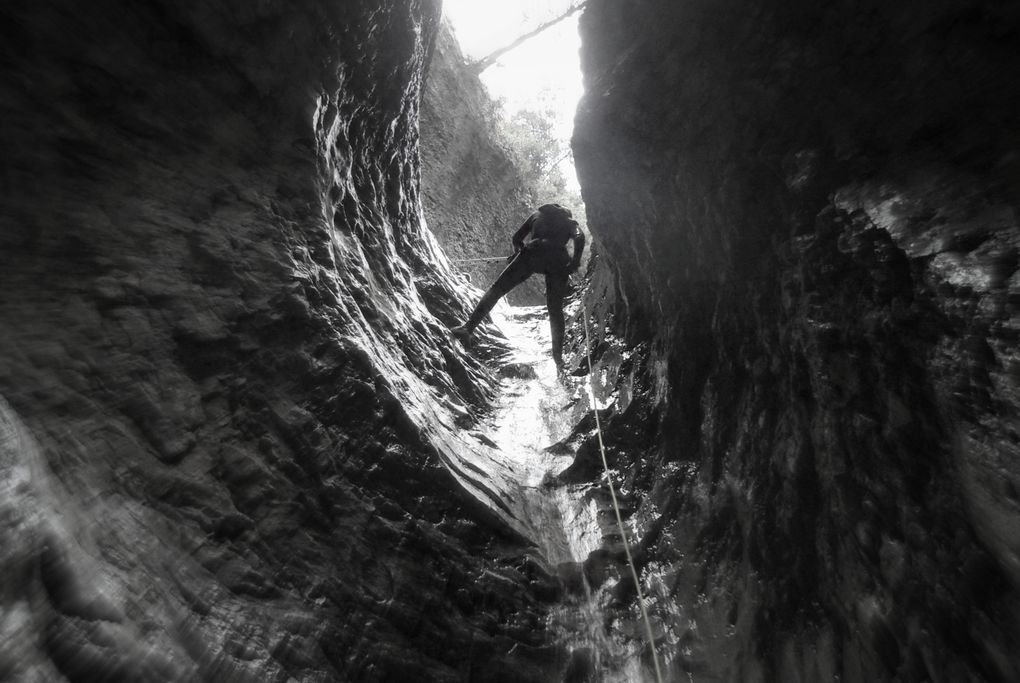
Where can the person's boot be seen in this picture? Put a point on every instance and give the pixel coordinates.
(465, 331)
(557, 343)
(558, 360)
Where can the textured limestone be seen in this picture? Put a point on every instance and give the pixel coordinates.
(809, 217)
(227, 388)
(474, 195)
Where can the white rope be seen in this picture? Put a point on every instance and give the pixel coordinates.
(478, 260)
(616, 506)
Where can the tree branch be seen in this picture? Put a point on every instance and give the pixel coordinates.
(490, 59)
(556, 163)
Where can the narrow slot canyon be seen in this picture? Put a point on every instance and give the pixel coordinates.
(238, 441)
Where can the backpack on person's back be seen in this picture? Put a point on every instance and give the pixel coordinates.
(554, 225)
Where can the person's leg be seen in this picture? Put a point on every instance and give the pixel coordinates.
(514, 274)
(556, 283)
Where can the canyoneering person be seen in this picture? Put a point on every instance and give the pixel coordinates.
(540, 246)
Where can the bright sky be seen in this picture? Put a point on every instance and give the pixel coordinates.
(543, 73)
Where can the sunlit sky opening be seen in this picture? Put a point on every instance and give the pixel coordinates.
(543, 73)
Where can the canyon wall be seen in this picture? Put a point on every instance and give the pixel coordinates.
(808, 217)
(473, 193)
(236, 440)
(228, 395)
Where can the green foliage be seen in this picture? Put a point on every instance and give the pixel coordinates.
(529, 139)
(529, 136)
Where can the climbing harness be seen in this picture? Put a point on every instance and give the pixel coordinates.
(616, 506)
(478, 260)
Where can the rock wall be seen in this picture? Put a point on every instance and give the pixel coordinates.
(233, 427)
(809, 216)
(228, 393)
(473, 193)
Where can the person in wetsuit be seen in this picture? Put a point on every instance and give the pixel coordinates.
(540, 246)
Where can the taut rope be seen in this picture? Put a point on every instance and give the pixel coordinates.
(616, 506)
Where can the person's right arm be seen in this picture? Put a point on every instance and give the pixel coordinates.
(575, 260)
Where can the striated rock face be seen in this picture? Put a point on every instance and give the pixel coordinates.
(229, 407)
(473, 193)
(809, 216)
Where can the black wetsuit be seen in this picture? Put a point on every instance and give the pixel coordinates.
(540, 246)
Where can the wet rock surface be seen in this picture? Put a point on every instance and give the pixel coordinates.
(809, 218)
(229, 399)
(474, 195)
